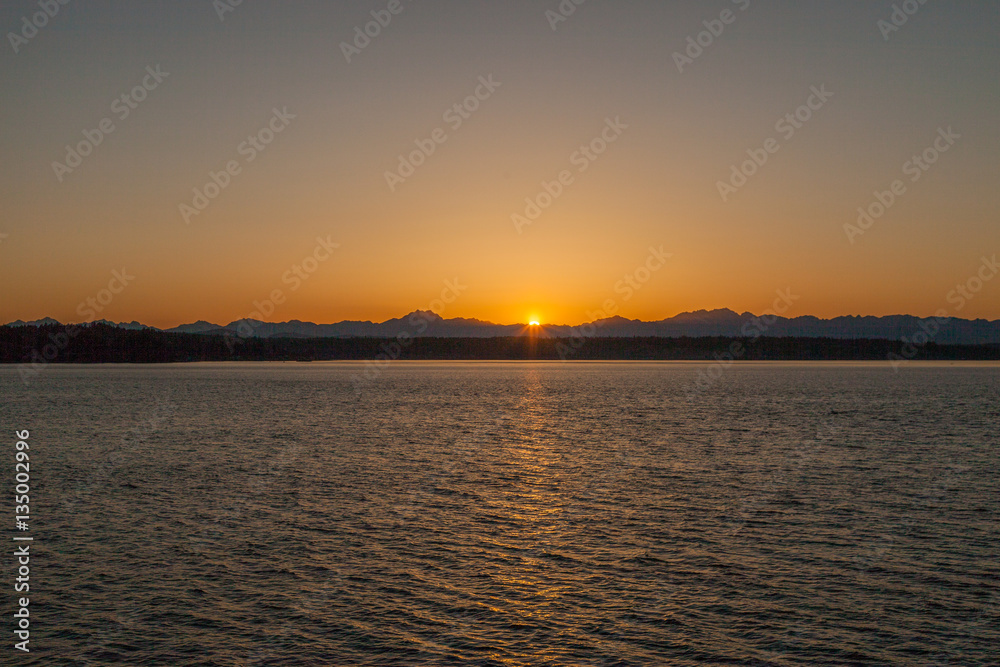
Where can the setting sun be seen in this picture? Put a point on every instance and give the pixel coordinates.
(534, 323)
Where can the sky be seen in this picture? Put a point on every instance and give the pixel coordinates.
(169, 162)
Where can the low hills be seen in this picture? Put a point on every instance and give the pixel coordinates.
(698, 324)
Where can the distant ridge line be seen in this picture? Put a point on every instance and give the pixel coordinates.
(702, 323)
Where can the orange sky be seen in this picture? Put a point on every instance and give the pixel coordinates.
(656, 184)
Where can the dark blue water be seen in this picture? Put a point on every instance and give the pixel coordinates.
(511, 514)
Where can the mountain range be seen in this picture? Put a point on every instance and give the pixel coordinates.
(720, 322)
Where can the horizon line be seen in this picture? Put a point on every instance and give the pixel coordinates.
(542, 325)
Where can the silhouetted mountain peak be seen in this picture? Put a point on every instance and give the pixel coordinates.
(425, 314)
(35, 323)
(699, 323)
(707, 316)
(615, 319)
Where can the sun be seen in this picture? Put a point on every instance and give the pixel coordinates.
(534, 323)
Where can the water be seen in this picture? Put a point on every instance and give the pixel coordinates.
(511, 514)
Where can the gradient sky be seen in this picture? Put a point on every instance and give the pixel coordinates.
(656, 185)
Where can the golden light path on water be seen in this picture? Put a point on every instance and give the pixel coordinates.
(516, 513)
